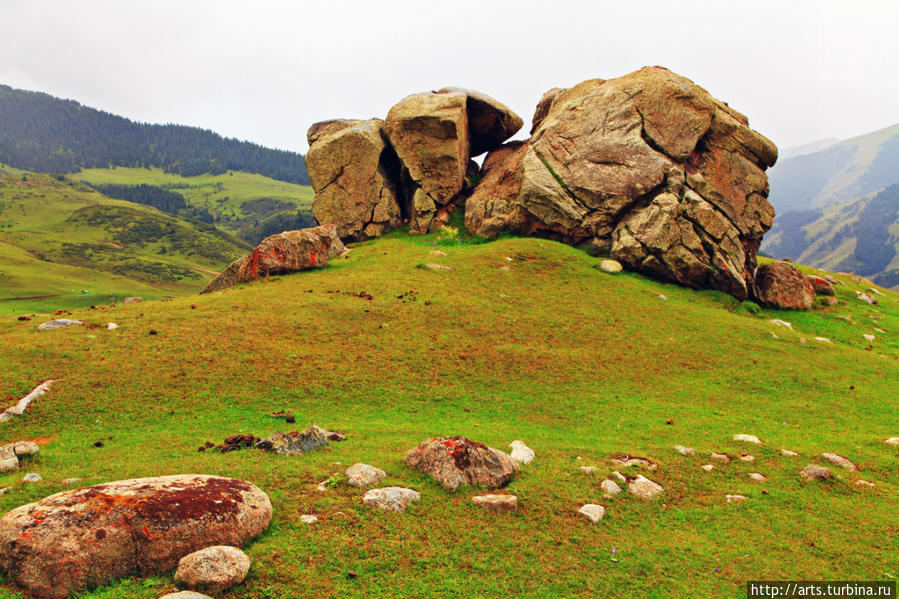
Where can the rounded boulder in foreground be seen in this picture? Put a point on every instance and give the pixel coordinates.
(213, 569)
(90, 536)
(610, 266)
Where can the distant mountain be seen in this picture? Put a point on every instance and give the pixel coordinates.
(843, 171)
(860, 236)
(814, 146)
(41, 133)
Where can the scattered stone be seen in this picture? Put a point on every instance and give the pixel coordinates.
(892, 441)
(619, 477)
(684, 450)
(781, 285)
(364, 475)
(438, 267)
(132, 300)
(627, 462)
(215, 568)
(4, 490)
(773, 334)
(735, 498)
(781, 323)
(589, 469)
(69, 481)
(21, 405)
(26, 448)
(610, 266)
(821, 285)
(832, 280)
(521, 453)
(592, 512)
(814, 472)
(870, 299)
(186, 595)
(747, 438)
(758, 477)
(823, 340)
(788, 453)
(496, 503)
(839, 461)
(864, 483)
(395, 499)
(869, 338)
(308, 519)
(875, 292)
(9, 461)
(111, 326)
(437, 253)
(610, 487)
(293, 443)
(455, 461)
(90, 536)
(644, 488)
(720, 457)
(708, 467)
(747, 458)
(663, 297)
(32, 477)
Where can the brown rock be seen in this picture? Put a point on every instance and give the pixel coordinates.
(354, 173)
(90, 536)
(813, 472)
(490, 122)
(781, 285)
(286, 252)
(214, 568)
(821, 286)
(455, 461)
(496, 503)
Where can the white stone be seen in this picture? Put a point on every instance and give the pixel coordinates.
(892, 441)
(864, 483)
(364, 475)
(69, 481)
(26, 448)
(22, 404)
(521, 453)
(720, 457)
(437, 253)
(619, 477)
(781, 323)
(708, 467)
(390, 498)
(589, 469)
(8, 459)
(111, 326)
(496, 503)
(32, 477)
(593, 512)
(610, 266)
(218, 567)
(823, 340)
(869, 299)
(59, 323)
(684, 450)
(869, 338)
(186, 595)
(788, 453)
(663, 298)
(747, 458)
(758, 477)
(876, 292)
(839, 461)
(432, 266)
(610, 487)
(644, 488)
(747, 438)
(308, 519)
(735, 498)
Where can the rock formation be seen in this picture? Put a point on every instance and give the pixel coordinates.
(290, 251)
(455, 461)
(90, 536)
(781, 285)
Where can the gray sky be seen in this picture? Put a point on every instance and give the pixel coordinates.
(264, 70)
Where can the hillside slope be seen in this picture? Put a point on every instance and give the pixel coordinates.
(524, 339)
(860, 236)
(849, 169)
(62, 238)
(39, 132)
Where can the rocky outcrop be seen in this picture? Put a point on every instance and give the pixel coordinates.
(455, 461)
(648, 168)
(87, 537)
(286, 252)
(295, 443)
(781, 285)
(355, 173)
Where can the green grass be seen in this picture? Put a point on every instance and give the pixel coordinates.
(236, 198)
(578, 364)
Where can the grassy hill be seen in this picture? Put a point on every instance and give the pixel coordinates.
(580, 365)
(62, 239)
(859, 236)
(849, 169)
(242, 203)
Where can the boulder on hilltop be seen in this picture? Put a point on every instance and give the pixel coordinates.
(648, 168)
(290, 251)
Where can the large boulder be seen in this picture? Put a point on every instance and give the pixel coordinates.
(648, 168)
(90, 536)
(286, 252)
(354, 172)
(455, 461)
(781, 285)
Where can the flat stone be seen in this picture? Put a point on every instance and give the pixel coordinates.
(788, 453)
(720, 457)
(496, 503)
(708, 467)
(684, 450)
(869, 338)
(592, 512)
(619, 477)
(69, 481)
(214, 568)
(610, 487)
(644, 488)
(111, 326)
(814, 472)
(758, 477)
(521, 453)
(864, 483)
(892, 441)
(308, 519)
(26, 448)
(437, 253)
(747, 438)
(839, 460)
(747, 458)
(610, 266)
(735, 498)
(186, 595)
(59, 323)
(864, 297)
(781, 323)
(395, 499)
(823, 340)
(364, 475)
(32, 477)
(132, 300)
(438, 267)
(588, 469)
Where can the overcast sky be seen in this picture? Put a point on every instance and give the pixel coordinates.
(264, 70)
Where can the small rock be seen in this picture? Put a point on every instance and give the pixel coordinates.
(720, 457)
(437, 253)
(788, 453)
(627, 462)
(610, 487)
(496, 503)
(832, 280)
(644, 488)
(663, 298)
(864, 483)
(26, 448)
(735, 498)
(59, 323)
(708, 467)
(781, 323)
(823, 340)
(892, 441)
(747, 458)
(619, 477)
(390, 498)
(592, 512)
(610, 266)
(839, 461)
(290, 444)
(69, 481)
(869, 338)
(814, 472)
(684, 450)
(132, 300)
(438, 267)
(186, 595)
(308, 519)
(214, 568)
(32, 477)
(875, 292)
(869, 299)
(757, 477)
(111, 326)
(364, 475)
(521, 453)
(505, 268)
(747, 438)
